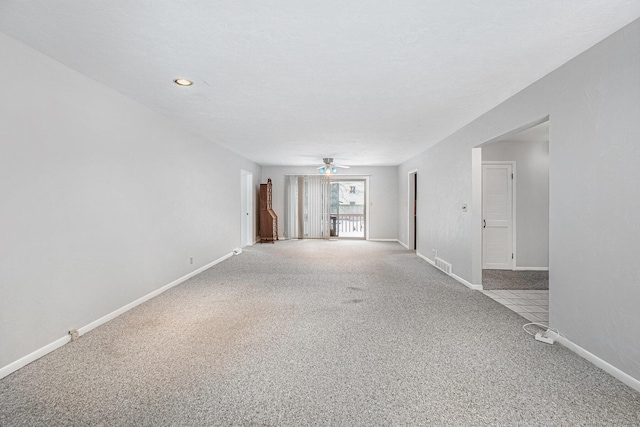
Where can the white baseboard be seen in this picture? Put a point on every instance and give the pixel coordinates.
(605, 366)
(402, 243)
(425, 258)
(458, 278)
(383, 240)
(24, 361)
(530, 268)
(14, 366)
(467, 284)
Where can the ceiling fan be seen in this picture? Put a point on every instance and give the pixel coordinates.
(329, 168)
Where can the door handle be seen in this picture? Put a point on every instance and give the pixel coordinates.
(484, 223)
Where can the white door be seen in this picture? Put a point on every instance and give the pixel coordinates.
(497, 216)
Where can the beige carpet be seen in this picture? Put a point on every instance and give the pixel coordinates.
(315, 333)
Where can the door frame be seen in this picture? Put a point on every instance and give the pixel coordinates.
(513, 208)
(247, 196)
(411, 221)
(476, 197)
(348, 178)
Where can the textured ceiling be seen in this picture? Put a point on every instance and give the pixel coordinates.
(288, 82)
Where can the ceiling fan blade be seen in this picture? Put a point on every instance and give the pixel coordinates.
(341, 166)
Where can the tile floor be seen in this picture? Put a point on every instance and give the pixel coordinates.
(532, 305)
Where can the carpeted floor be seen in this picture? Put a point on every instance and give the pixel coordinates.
(515, 280)
(316, 333)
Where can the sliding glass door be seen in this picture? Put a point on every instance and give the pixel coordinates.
(320, 208)
(347, 208)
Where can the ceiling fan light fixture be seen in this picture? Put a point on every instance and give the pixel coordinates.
(329, 168)
(183, 82)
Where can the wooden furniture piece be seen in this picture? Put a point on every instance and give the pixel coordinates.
(268, 218)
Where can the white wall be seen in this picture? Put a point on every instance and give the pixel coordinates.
(102, 201)
(532, 197)
(383, 188)
(593, 103)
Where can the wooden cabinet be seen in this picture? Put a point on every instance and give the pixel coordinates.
(268, 218)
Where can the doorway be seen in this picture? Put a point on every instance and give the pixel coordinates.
(514, 255)
(412, 221)
(347, 209)
(247, 196)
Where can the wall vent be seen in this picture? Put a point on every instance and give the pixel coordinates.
(443, 265)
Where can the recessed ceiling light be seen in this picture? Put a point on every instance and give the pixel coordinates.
(183, 82)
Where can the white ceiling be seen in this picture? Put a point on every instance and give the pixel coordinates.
(288, 82)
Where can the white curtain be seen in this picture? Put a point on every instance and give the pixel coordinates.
(307, 207)
(292, 218)
(316, 224)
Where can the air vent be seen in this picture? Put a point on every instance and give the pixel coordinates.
(443, 265)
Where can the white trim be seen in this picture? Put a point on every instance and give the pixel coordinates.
(514, 204)
(530, 268)
(405, 246)
(367, 203)
(476, 214)
(425, 258)
(605, 366)
(383, 240)
(247, 221)
(410, 210)
(467, 284)
(457, 278)
(14, 366)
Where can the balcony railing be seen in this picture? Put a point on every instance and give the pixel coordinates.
(347, 225)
